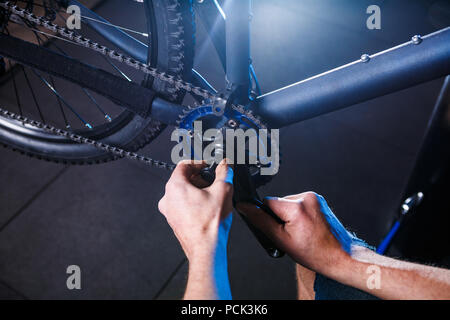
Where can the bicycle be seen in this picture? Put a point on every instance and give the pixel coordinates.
(137, 113)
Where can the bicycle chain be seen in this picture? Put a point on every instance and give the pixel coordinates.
(178, 83)
(121, 153)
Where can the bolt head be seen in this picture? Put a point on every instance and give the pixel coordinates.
(417, 39)
(232, 123)
(365, 58)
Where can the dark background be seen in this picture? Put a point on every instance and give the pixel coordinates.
(104, 218)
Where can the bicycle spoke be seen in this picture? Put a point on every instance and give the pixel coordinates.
(51, 87)
(112, 85)
(32, 94)
(59, 13)
(56, 37)
(66, 122)
(86, 92)
(16, 91)
(112, 64)
(116, 68)
(61, 109)
(61, 100)
(144, 34)
(29, 86)
(94, 101)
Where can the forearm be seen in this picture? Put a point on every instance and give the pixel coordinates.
(208, 277)
(201, 281)
(388, 278)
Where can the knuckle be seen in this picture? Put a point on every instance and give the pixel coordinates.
(172, 185)
(168, 186)
(310, 197)
(181, 166)
(185, 162)
(225, 185)
(162, 205)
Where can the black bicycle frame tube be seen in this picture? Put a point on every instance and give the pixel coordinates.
(386, 72)
(238, 46)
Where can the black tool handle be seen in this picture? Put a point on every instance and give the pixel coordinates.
(208, 174)
(265, 242)
(267, 210)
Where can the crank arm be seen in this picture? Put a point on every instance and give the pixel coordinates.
(265, 242)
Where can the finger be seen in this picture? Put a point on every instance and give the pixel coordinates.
(309, 197)
(293, 197)
(284, 208)
(186, 169)
(261, 220)
(224, 177)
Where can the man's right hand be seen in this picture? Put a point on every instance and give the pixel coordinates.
(305, 235)
(315, 238)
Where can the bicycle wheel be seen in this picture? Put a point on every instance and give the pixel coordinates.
(171, 35)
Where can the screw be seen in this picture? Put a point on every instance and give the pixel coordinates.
(253, 95)
(232, 124)
(365, 58)
(417, 39)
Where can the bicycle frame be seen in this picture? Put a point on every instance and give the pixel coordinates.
(417, 61)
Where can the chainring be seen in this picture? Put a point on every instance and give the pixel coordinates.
(225, 117)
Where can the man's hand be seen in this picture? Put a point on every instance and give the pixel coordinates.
(201, 220)
(195, 212)
(315, 238)
(305, 235)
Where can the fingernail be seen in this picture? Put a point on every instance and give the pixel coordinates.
(226, 162)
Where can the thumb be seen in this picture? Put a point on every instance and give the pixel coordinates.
(224, 177)
(283, 208)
